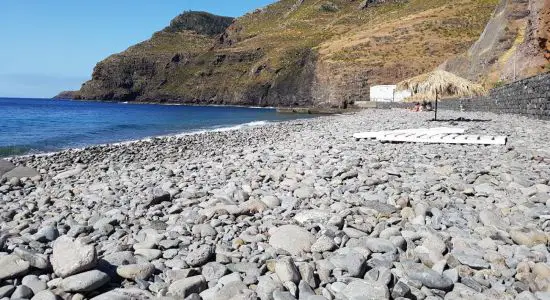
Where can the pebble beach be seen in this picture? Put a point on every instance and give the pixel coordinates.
(291, 210)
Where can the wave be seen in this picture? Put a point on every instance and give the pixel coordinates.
(225, 128)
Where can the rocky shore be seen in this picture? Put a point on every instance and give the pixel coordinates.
(296, 210)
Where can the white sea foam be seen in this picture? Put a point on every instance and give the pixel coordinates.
(225, 128)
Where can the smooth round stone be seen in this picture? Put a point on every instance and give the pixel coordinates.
(119, 258)
(427, 276)
(45, 295)
(34, 283)
(136, 271)
(6, 290)
(84, 282)
(12, 266)
(47, 234)
(324, 243)
(304, 193)
(22, 292)
(149, 254)
(271, 201)
(292, 238)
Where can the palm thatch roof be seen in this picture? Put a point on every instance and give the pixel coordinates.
(443, 83)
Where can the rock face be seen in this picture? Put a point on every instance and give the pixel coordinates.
(269, 58)
(514, 45)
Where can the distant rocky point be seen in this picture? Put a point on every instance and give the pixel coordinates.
(67, 95)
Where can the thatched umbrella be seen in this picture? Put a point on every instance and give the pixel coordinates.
(439, 84)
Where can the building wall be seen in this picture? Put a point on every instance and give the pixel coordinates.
(382, 93)
(400, 96)
(387, 93)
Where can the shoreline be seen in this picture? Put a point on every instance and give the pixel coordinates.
(242, 126)
(169, 103)
(311, 110)
(233, 213)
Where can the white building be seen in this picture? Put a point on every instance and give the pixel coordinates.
(387, 93)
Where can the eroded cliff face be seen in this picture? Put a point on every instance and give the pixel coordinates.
(140, 72)
(291, 53)
(514, 45)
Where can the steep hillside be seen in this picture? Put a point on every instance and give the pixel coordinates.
(293, 52)
(142, 70)
(515, 44)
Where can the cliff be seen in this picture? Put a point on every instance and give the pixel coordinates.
(290, 53)
(515, 44)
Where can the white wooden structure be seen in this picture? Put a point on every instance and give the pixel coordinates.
(381, 134)
(387, 93)
(440, 135)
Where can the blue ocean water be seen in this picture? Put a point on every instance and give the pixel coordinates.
(45, 125)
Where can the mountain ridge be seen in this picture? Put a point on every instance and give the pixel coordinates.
(291, 53)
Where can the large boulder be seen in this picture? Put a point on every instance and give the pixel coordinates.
(20, 172)
(72, 256)
(5, 166)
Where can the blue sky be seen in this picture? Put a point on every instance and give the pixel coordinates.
(50, 46)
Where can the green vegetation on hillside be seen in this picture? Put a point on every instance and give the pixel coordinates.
(281, 53)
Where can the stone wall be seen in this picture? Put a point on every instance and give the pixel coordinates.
(528, 97)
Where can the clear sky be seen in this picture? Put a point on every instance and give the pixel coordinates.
(50, 46)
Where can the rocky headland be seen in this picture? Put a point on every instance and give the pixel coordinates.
(295, 210)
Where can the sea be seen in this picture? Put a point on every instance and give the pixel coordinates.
(34, 126)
